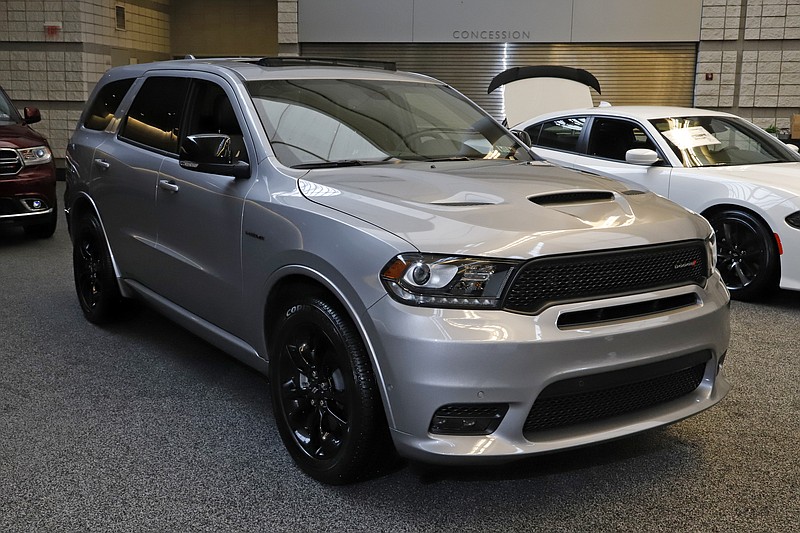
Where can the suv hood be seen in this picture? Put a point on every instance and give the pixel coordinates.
(14, 135)
(500, 208)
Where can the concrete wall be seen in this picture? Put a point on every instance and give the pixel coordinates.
(53, 52)
(749, 59)
(224, 28)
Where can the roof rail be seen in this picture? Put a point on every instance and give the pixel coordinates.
(289, 61)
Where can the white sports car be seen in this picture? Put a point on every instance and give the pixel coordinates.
(742, 179)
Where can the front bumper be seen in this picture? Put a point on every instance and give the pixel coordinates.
(430, 358)
(28, 197)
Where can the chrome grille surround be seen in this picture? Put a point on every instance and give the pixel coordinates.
(10, 162)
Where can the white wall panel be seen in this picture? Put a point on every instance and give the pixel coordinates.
(520, 21)
(355, 21)
(636, 20)
(499, 20)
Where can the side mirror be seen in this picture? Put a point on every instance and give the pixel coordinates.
(211, 153)
(793, 147)
(31, 115)
(641, 156)
(523, 136)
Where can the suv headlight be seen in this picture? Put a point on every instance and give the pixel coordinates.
(38, 155)
(711, 246)
(431, 280)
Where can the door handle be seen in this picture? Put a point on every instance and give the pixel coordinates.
(102, 163)
(167, 185)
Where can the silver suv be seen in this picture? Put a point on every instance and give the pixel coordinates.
(405, 273)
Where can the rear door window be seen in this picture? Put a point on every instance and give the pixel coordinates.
(155, 115)
(104, 107)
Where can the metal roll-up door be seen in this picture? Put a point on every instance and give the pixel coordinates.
(629, 74)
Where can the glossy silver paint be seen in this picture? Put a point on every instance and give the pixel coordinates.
(207, 250)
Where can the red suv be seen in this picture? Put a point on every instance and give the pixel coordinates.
(27, 172)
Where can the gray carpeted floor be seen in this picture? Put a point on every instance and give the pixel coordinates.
(143, 427)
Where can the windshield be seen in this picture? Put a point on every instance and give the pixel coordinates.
(8, 113)
(714, 141)
(320, 122)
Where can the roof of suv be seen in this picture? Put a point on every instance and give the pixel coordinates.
(254, 68)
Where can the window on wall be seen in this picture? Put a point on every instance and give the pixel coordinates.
(120, 14)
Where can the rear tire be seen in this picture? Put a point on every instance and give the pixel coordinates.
(95, 281)
(747, 254)
(326, 401)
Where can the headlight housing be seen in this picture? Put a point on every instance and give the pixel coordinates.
(433, 280)
(711, 246)
(38, 155)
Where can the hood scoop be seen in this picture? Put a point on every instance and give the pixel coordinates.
(572, 197)
(594, 209)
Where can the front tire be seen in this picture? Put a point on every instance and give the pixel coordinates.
(327, 405)
(747, 254)
(95, 281)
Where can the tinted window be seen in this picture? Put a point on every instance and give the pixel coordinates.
(212, 112)
(103, 108)
(561, 134)
(155, 115)
(612, 138)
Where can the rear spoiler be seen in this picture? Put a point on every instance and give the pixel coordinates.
(545, 71)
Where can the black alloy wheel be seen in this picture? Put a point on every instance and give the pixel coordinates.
(327, 406)
(747, 255)
(95, 282)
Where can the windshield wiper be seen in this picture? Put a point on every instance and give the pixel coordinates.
(341, 163)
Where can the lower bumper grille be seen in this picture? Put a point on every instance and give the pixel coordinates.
(590, 398)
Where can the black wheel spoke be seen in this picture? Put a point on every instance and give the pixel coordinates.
(297, 353)
(334, 420)
(746, 253)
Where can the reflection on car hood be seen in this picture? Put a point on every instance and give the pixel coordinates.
(500, 209)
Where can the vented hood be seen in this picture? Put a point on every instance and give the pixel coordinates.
(500, 209)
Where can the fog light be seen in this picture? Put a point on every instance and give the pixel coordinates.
(35, 204)
(468, 419)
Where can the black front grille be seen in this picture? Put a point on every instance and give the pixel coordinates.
(590, 398)
(10, 163)
(570, 277)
